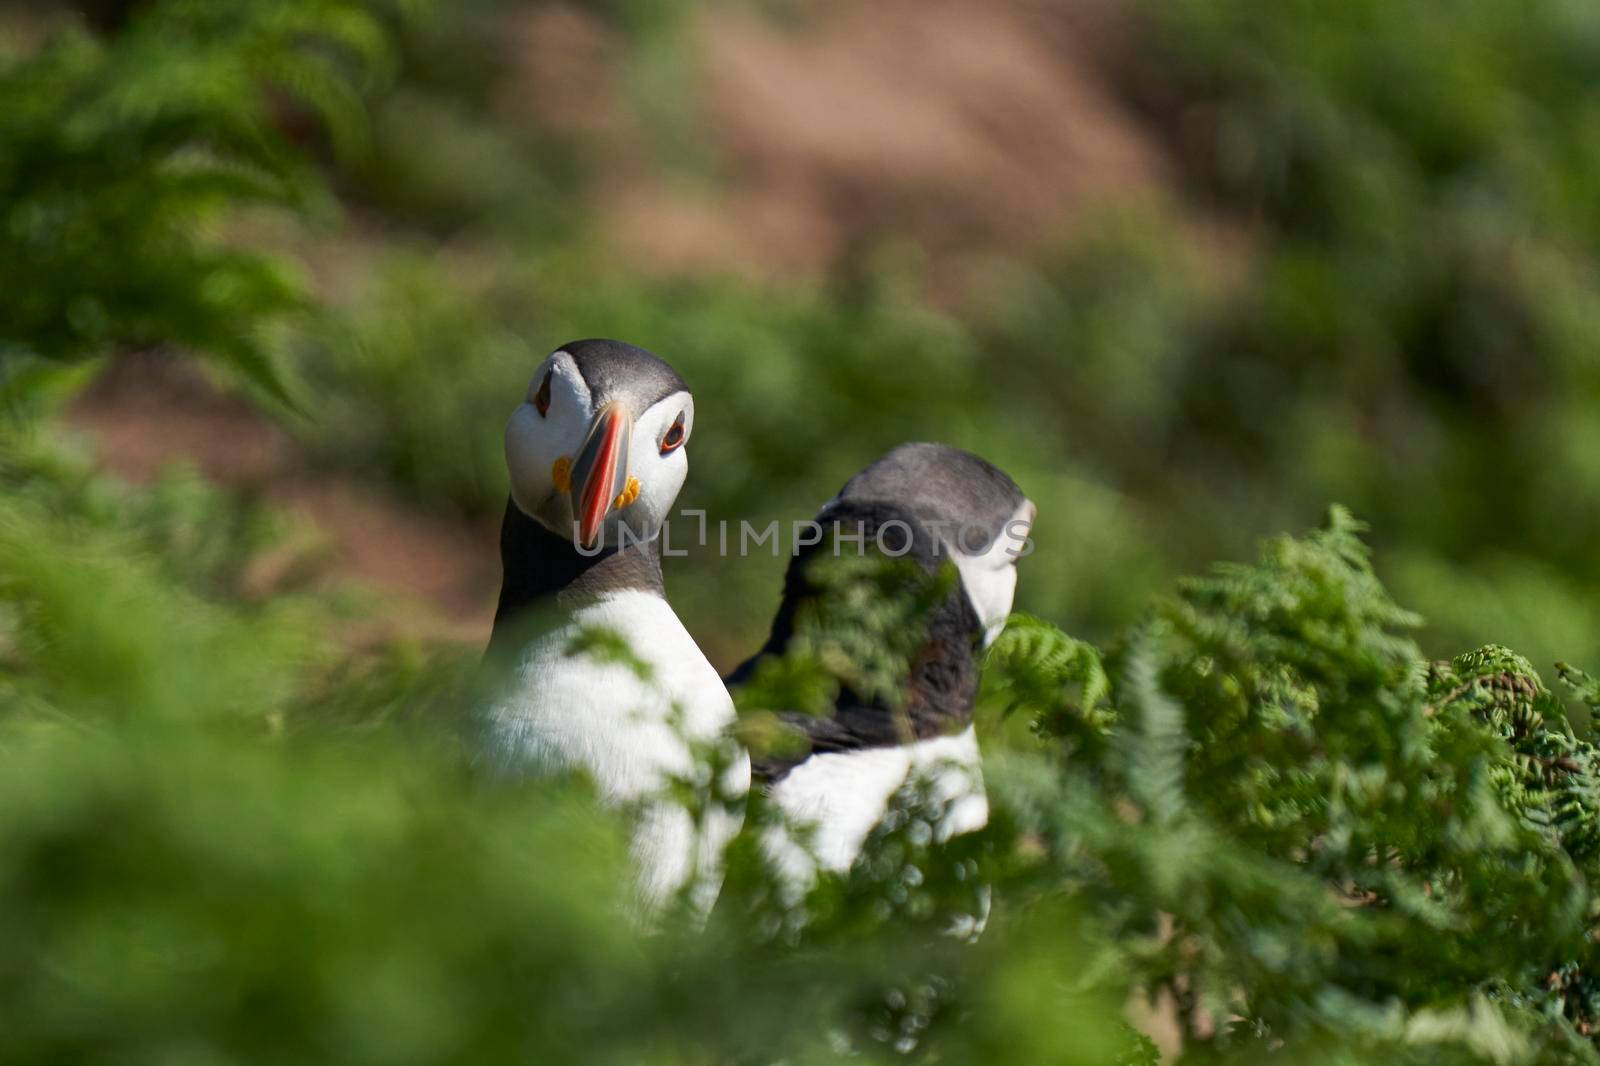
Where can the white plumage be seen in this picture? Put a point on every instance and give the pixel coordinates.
(841, 796)
(596, 457)
(632, 735)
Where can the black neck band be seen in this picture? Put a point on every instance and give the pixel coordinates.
(543, 568)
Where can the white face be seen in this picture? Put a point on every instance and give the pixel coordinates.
(991, 577)
(545, 445)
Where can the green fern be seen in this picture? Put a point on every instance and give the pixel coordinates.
(1061, 679)
(121, 159)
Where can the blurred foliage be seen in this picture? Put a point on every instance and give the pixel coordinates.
(208, 538)
(228, 836)
(1309, 840)
(799, 389)
(1387, 300)
(1374, 283)
(1419, 314)
(231, 830)
(224, 839)
(119, 159)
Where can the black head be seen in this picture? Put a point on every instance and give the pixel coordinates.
(914, 504)
(616, 370)
(596, 448)
(941, 679)
(969, 500)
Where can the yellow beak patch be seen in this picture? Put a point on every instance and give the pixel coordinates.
(561, 478)
(629, 493)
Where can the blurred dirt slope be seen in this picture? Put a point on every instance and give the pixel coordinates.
(146, 412)
(963, 126)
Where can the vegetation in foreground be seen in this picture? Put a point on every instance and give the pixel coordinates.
(227, 837)
(226, 834)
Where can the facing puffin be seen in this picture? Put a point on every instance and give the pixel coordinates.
(596, 457)
(926, 503)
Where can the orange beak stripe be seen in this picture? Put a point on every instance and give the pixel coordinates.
(599, 475)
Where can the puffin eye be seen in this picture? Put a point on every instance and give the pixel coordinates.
(674, 438)
(541, 399)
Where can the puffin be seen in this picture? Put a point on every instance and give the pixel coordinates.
(603, 678)
(931, 504)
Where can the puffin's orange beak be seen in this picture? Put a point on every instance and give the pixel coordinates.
(600, 473)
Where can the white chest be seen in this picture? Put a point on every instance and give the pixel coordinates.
(844, 795)
(627, 723)
(632, 726)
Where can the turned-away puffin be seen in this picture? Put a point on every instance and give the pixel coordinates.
(596, 457)
(929, 503)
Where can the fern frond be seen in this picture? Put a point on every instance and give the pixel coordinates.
(1059, 679)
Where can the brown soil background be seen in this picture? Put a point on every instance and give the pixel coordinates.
(966, 127)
